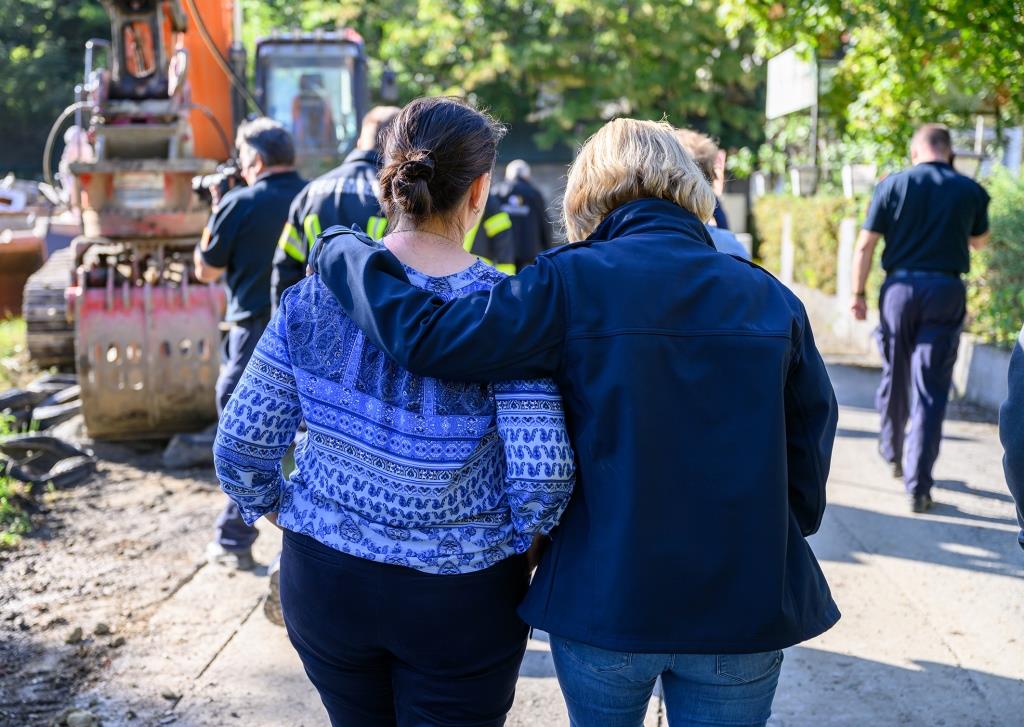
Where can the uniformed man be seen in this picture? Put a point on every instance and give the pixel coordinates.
(492, 239)
(239, 243)
(929, 216)
(518, 198)
(345, 196)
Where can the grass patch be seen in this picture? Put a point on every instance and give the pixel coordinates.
(14, 499)
(14, 521)
(13, 359)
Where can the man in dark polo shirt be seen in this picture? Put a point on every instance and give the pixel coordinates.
(929, 215)
(239, 243)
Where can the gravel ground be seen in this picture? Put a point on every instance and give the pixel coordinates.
(105, 556)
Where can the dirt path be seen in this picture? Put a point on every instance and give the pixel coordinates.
(110, 552)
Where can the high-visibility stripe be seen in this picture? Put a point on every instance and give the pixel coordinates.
(470, 238)
(507, 268)
(291, 243)
(311, 226)
(496, 224)
(376, 226)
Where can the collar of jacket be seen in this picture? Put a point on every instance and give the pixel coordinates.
(370, 156)
(651, 216)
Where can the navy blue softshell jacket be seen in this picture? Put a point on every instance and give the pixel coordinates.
(700, 410)
(1011, 432)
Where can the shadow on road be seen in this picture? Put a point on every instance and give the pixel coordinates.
(935, 538)
(824, 688)
(855, 388)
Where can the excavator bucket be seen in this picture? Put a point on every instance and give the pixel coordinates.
(147, 355)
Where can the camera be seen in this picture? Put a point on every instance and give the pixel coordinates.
(211, 188)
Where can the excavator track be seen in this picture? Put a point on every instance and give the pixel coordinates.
(51, 336)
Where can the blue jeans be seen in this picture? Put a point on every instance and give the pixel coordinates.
(605, 688)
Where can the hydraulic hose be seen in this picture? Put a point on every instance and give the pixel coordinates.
(52, 136)
(205, 110)
(237, 82)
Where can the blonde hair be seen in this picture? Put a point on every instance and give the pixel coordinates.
(628, 160)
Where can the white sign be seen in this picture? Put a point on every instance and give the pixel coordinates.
(792, 84)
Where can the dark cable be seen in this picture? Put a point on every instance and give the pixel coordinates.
(237, 82)
(205, 110)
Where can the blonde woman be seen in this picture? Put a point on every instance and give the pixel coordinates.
(679, 555)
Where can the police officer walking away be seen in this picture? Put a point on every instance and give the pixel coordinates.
(929, 215)
(527, 211)
(346, 195)
(239, 243)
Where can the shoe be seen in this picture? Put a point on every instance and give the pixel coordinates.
(272, 603)
(921, 503)
(217, 554)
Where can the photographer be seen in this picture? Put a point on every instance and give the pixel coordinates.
(239, 243)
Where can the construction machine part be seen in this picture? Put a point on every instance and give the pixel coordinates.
(147, 340)
(21, 254)
(50, 334)
(142, 198)
(39, 459)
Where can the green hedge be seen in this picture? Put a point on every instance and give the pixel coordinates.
(996, 284)
(815, 235)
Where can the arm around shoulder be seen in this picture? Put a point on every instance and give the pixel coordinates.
(516, 330)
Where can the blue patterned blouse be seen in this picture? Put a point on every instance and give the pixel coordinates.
(442, 476)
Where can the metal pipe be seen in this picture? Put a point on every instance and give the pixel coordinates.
(236, 25)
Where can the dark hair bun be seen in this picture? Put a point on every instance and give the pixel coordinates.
(420, 166)
(433, 151)
(411, 185)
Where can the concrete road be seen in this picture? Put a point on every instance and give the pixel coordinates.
(933, 609)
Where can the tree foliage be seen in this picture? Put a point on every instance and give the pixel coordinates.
(899, 62)
(563, 66)
(41, 47)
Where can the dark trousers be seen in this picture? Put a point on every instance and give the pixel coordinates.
(235, 351)
(387, 645)
(921, 318)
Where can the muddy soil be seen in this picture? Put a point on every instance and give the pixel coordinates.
(104, 556)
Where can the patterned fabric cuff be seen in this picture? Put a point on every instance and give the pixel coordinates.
(252, 513)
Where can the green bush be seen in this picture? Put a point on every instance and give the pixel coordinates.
(815, 235)
(995, 285)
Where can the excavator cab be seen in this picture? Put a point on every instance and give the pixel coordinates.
(315, 84)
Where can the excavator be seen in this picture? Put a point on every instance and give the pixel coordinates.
(122, 304)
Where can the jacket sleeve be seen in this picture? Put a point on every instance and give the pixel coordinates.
(514, 331)
(258, 425)
(811, 418)
(1011, 432)
(291, 253)
(539, 462)
(221, 232)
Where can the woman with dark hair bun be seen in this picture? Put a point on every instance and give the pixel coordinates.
(417, 506)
